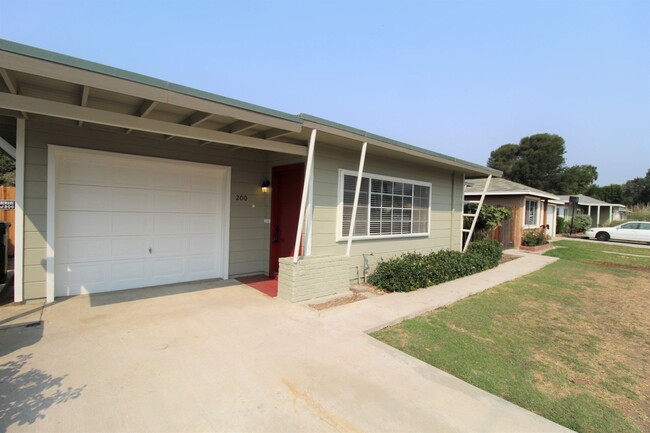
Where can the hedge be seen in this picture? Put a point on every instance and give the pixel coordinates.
(413, 271)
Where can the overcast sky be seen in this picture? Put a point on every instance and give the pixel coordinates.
(457, 77)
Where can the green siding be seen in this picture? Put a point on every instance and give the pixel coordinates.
(446, 197)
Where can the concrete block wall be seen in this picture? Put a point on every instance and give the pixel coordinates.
(313, 277)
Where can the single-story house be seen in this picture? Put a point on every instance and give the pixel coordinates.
(127, 181)
(531, 208)
(600, 211)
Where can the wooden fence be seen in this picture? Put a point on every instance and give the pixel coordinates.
(9, 193)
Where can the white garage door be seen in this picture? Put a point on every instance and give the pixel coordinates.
(123, 222)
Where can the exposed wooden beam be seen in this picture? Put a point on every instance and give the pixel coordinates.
(197, 118)
(12, 84)
(237, 127)
(274, 133)
(119, 120)
(85, 93)
(145, 109)
(153, 92)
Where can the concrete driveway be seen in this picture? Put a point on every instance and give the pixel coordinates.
(224, 357)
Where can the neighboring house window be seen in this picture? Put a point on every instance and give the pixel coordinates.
(387, 206)
(532, 212)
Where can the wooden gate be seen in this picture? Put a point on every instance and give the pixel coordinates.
(503, 233)
(8, 193)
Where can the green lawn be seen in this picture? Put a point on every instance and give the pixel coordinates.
(570, 342)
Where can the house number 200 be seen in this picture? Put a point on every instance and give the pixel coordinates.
(241, 197)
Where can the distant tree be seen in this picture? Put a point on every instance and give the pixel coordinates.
(576, 179)
(637, 190)
(610, 193)
(7, 170)
(538, 161)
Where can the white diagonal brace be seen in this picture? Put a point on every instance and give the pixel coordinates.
(357, 191)
(8, 148)
(305, 192)
(478, 211)
(75, 112)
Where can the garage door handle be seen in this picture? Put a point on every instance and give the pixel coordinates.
(149, 250)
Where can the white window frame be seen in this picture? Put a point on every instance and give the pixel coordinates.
(339, 208)
(537, 215)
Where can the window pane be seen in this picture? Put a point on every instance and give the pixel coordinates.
(375, 185)
(397, 188)
(349, 182)
(407, 203)
(386, 201)
(397, 201)
(386, 186)
(408, 189)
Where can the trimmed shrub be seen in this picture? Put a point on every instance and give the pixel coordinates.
(533, 238)
(560, 225)
(580, 223)
(413, 271)
(491, 250)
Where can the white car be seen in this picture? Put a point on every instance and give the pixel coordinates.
(638, 231)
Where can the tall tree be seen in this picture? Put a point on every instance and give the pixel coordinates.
(576, 179)
(538, 161)
(637, 190)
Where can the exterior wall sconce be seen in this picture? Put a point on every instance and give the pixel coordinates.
(265, 186)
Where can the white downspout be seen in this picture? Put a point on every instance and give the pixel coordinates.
(357, 190)
(305, 193)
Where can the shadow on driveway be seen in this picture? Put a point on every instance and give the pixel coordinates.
(25, 393)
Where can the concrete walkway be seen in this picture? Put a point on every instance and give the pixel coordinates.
(223, 357)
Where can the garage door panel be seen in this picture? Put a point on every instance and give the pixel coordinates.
(83, 249)
(70, 223)
(124, 222)
(123, 248)
(83, 197)
(136, 176)
(171, 201)
(170, 223)
(201, 267)
(203, 244)
(81, 278)
(204, 202)
(132, 200)
(131, 223)
(132, 271)
(84, 172)
(170, 246)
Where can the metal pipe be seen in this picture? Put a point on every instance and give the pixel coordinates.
(357, 190)
(305, 188)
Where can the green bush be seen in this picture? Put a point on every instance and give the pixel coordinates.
(533, 238)
(580, 223)
(561, 228)
(412, 271)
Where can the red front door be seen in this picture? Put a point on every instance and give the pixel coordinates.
(286, 193)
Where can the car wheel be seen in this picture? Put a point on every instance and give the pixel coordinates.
(602, 236)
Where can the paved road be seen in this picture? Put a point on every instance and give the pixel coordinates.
(224, 357)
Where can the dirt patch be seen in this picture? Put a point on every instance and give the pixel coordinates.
(617, 265)
(508, 258)
(359, 293)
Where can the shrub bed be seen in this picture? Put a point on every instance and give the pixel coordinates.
(413, 271)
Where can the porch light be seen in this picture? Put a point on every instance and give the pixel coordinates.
(265, 186)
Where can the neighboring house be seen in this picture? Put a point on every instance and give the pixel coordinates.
(531, 208)
(600, 211)
(126, 181)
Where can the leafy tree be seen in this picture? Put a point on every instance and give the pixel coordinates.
(489, 218)
(538, 161)
(7, 170)
(610, 193)
(637, 190)
(576, 179)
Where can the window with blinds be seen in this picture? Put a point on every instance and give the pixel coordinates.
(387, 206)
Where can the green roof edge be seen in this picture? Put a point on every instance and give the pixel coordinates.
(403, 145)
(63, 59)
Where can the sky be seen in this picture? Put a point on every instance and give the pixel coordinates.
(457, 77)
